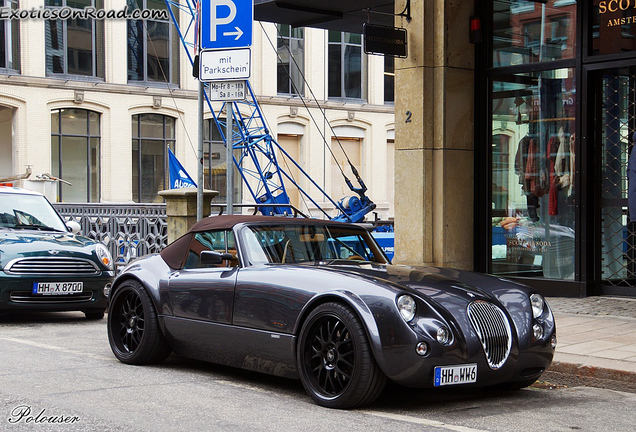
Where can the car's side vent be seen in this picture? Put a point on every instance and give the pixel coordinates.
(494, 332)
(52, 267)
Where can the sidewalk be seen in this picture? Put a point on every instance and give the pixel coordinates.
(596, 337)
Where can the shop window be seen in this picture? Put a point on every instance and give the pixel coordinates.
(531, 32)
(75, 46)
(75, 154)
(9, 40)
(153, 46)
(346, 69)
(534, 183)
(291, 60)
(152, 136)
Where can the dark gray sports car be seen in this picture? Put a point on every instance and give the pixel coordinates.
(319, 301)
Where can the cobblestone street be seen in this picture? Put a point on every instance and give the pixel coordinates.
(610, 306)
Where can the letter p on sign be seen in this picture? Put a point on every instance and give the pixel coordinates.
(218, 7)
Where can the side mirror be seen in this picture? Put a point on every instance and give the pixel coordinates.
(214, 258)
(73, 227)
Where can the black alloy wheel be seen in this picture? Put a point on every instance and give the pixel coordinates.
(335, 362)
(133, 329)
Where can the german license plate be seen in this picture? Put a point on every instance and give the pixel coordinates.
(57, 288)
(457, 374)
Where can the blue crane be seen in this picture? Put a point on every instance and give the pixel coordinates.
(258, 163)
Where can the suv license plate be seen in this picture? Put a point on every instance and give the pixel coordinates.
(57, 288)
(458, 374)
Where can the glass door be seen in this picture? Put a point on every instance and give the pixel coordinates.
(616, 134)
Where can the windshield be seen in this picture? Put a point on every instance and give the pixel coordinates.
(28, 211)
(302, 243)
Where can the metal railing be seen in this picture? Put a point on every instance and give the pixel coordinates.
(128, 230)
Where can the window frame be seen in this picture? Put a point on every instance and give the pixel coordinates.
(12, 50)
(363, 67)
(98, 72)
(136, 136)
(300, 68)
(89, 136)
(172, 74)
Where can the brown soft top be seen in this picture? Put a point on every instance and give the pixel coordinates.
(174, 253)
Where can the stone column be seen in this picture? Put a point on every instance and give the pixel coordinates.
(181, 209)
(434, 190)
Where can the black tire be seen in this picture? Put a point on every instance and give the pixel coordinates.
(133, 329)
(335, 362)
(94, 315)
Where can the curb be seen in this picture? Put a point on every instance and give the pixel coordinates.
(592, 372)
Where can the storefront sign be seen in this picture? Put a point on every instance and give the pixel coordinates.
(384, 40)
(617, 12)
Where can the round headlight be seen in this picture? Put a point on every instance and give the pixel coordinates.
(104, 256)
(538, 331)
(538, 304)
(444, 335)
(406, 306)
(421, 348)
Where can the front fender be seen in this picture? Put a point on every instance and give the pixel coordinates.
(150, 275)
(379, 316)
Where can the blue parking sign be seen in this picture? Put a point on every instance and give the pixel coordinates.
(226, 23)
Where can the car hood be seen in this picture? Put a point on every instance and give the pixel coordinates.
(451, 288)
(28, 243)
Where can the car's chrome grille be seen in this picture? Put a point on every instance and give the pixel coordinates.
(494, 332)
(27, 297)
(52, 267)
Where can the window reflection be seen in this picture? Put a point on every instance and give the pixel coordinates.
(530, 32)
(533, 174)
(291, 59)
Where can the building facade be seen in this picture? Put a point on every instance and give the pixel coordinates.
(556, 141)
(98, 103)
(522, 123)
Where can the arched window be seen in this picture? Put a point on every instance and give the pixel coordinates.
(75, 154)
(152, 135)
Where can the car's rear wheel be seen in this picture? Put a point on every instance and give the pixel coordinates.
(133, 329)
(335, 362)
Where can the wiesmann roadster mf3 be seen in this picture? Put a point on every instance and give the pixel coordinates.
(319, 301)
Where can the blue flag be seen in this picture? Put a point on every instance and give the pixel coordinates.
(179, 178)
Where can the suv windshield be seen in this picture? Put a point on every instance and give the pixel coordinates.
(301, 243)
(28, 211)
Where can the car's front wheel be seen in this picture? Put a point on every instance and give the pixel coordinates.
(133, 329)
(335, 362)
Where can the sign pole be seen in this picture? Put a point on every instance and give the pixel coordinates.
(201, 97)
(229, 147)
